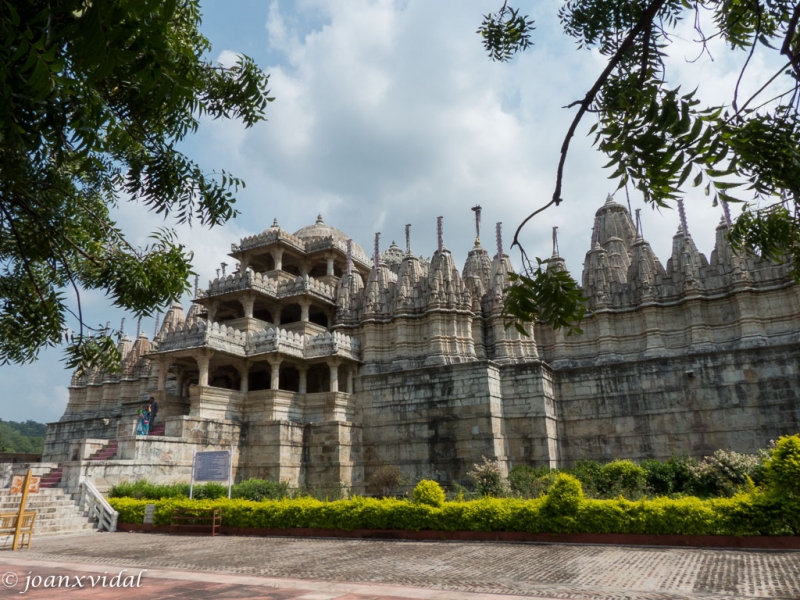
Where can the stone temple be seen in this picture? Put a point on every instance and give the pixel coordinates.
(317, 365)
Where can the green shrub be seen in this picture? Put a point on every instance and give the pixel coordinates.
(782, 469)
(565, 496)
(429, 492)
(589, 473)
(260, 489)
(488, 478)
(563, 510)
(622, 477)
(530, 482)
(143, 489)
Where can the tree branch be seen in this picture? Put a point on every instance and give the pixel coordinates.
(786, 49)
(645, 21)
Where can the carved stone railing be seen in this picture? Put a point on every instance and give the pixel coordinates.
(277, 340)
(98, 507)
(332, 344)
(198, 335)
(269, 236)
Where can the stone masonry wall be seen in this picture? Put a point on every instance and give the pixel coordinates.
(432, 419)
(695, 403)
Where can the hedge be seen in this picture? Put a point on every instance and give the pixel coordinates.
(754, 513)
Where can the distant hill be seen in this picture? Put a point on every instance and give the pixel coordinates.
(22, 437)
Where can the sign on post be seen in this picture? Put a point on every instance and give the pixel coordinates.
(18, 480)
(211, 466)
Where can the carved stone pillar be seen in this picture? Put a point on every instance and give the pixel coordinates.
(304, 306)
(277, 256)
(212, 311)
(350, 373)
(202, 365)
(330, 267)
(275, 373)
(333, 364)
(247, 301)
(163, 367)
(179, 379)
(244, 373)
(303, 386)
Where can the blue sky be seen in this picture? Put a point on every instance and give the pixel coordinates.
(387, 113)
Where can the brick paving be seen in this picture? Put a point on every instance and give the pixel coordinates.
(580, 572)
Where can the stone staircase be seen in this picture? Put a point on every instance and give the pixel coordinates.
(52, 478)
(157, 429)
(107, 452)
(56, 512)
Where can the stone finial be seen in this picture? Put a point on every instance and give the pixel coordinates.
(319, 219)
(477, 210)
(223, 265)
(122, 326)
(727, 212)
(610, 198)
(376, 255)
(439, 237)
(499, 237)
(275, 223)
(408, 238)
(555, 242)
(196, 285)
(349, 257)
(155, 330)
(682, 214)
(639, 223)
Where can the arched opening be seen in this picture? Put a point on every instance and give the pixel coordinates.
(290, 314)
(259, 377)
(318, 379)
(289, 379)
(317, 315)
(263, 314)
(224, 377)
(318, 270)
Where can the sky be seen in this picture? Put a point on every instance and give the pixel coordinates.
(389, 112)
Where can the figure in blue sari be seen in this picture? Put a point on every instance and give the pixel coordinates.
(143, 424)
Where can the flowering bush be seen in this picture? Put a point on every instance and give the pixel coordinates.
(488, 478)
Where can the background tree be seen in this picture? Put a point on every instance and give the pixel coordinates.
(661, 139)
(96, 94)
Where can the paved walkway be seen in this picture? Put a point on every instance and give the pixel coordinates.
(325, 569)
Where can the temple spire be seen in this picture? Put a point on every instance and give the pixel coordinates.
(122, 327)
(196, 285)
(155, 330)
(727, 211)
(439, 237)
(408, 238)
(682, 214)
(376, 255)
(499, 236)
(477, 210)
(349, 257)
(138, 327)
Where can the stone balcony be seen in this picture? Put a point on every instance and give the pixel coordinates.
(234, 342)
(275, 284)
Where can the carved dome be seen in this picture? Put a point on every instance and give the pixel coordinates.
(320, 230)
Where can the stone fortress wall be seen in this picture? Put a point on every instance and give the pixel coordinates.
(318, 365)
